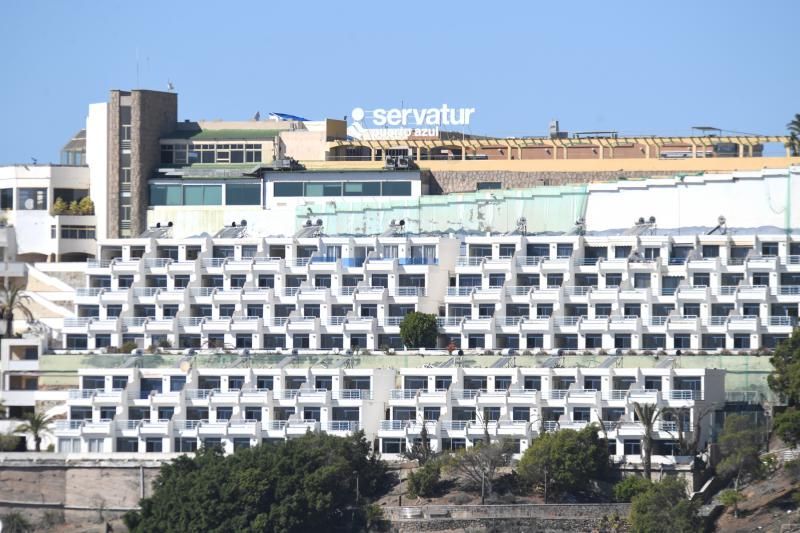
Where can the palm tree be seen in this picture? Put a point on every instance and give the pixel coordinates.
(794, 135)
(37, 425)
(647, 414)
(14, 299)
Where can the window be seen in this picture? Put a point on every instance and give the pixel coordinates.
(489, 185)
(554, 280)
(769, 249)
(288, 189)
(226, 310)
(654, 341)
(238, 281)
(272, 342)
(396, 188)
(535, 340)
(31, 199)
(124, 282)
(622, 252)
(581, 414)
(652, 253)
(266, 281)
(393, 445)
(153, 444)
(362, 188)
(563, 250)
(202, 195)
(632, 447)
(682, 341)
(701, 279)
(224, 413)
(69, 445)
(102, 340)
(594, 340)
(170, 310)
(622, 340)
(544, 310)
(6, 198)
(242, 194)
(761, 278)
(602, 310)
(641, 281)
(300, 341)
(255, 310)
(113, 311)
(127, 444)
(710, 251)
(323, 189)
(95, 445)
(165, 195)
(741, 341)
(76, 342)
(613, 279)
(691, 309)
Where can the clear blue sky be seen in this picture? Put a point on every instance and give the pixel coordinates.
(634, 67)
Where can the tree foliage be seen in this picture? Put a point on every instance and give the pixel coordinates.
(787, 426)
(421, 451)
(629, 487)
(794, 135)
(305, 484)
(648, 415)
(14, 299)
(477, 466)
(740, 443)
(732, 498)
(664, 508)
(419, 330)
(15, 522)
(425, 480)
(785, 378)
(567, 458)
(37, 425)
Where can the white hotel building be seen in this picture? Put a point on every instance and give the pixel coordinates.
(521, 292)
(169, 410)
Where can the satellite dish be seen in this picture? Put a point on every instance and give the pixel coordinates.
(158, 224)
(308, 222)
(243, 223)
(402, 222)
(319, 222)
(652, 219)
(29, 203)
(233, 224)
(721, 220)
(169, 224)
(641, 220)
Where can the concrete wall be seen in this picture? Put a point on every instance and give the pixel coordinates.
(153, 115)
(82, 490)
(97, 160)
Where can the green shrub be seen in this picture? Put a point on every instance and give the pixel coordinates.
(128, 347)
(15, 522)
(425, 480)
(630, 486)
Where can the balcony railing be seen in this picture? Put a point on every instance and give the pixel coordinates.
(418, 261)
(558, 394)
(343, 425)
(658, 320)
(449, 321)
(393, 320)
(465, 394)
(530, 260)
(146, 291)
(783, 321)
(686, 395)
(518, 290)
(566, 320)
(355, 394)
(353, 262)
(469, 261)
(82, 394)
(403, 394)
(459, 291)
(191, 320)
(199, 394)
(785, 290)
(65, 425)
(336, 320)
(98, 263)
(347, 291)
(88, 291)
(578, 290)
(454, 425)
(395, 425)
(212, 262)
(410, 291)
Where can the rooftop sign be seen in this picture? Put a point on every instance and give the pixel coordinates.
(402, 123)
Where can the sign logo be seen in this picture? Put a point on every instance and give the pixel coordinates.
(397, 123)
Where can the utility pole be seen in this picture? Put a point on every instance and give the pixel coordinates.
(483, 485)
(545, 483)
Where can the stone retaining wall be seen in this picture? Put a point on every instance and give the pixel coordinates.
(448, 181)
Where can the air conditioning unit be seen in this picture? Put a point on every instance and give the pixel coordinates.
(403, 162)
(390, 163)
